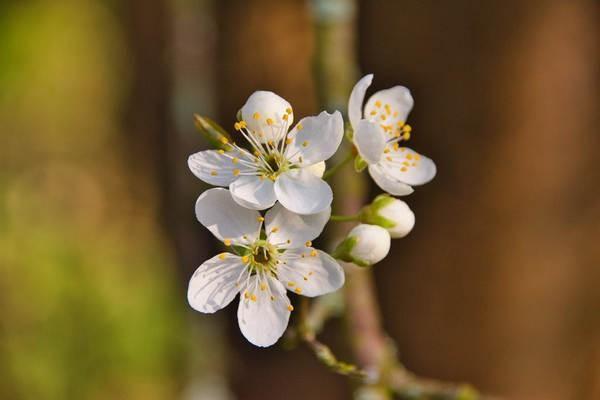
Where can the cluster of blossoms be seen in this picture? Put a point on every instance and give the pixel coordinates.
(280, 170)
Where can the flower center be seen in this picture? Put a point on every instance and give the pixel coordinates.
(263, 257)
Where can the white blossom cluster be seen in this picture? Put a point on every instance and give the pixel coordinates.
(272, 202)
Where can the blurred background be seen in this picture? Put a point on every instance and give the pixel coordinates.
(498, 285)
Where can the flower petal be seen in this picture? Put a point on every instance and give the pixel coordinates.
(310, 272)
(215, 283)
(283, 225)
(357, 97)
(315, 139)
(370, 140)
(227, 220)
(389, 106)
(317, 169)
(217, 168)
(300, 191)
(264, 311)
(264, 115)
(253, 192)
(408, 166)
(388, 182)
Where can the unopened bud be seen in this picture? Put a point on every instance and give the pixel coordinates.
(391, 214)
(365, 245)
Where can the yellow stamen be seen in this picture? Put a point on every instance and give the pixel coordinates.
(213, 173)
(269, 121)
(227, 242)
(222, 256)
(308, 243)
(256, 115)
(298, 290)
(236, 172)
(290, 307)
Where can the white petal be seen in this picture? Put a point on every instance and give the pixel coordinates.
(372, 244)
(227, 220)
(317, 169)
(317, 139)
(282, 225)
(370, 140)
(357, 97)
(310, 272)
(264, 311)
(253, 192)
(390, 106)
(399, 214)
(216, 168)
(215, 283)
(388, 182)
(300, 191)
(262, 106)
(408, 166)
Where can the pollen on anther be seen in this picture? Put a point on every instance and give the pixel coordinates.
(305, 143)
(288, 241)
(227, 242)
(373, 112)
(290, 307)
(275, 229)
(298, 290)
(245, 259)
(272, 298)
(377, 104)
(253, 297)
(285, 117)
(256, 115)
(235, 160)
(406, 136)
(224, 140)
(237, 126)
(222, 256)
(263, 286)
(289, 141)
(313, 253)
(305, 278)
(291, 284)
(389, 158)
(308, 243)
(236, 172)
(288, 110)
(221, 151)
(213, 173)
(299, 127)
(403, 169)
(260, 219)
(269, 121)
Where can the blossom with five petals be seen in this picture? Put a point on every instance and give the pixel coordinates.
(270, 254)
(281, 165)
(378, 131)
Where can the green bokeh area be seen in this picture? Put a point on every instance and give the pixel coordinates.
(91, 303)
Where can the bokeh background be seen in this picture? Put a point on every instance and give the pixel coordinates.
(498, 284)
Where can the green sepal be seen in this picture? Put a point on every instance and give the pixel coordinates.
(370, 214)
(343, 250)
(213, 132)
(359, 164)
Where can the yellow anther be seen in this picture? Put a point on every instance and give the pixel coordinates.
(275, 229)
(402, 149)
(397, 133)
(298, 290)
(386, 150)
(263, 286)
(213, 173)
(406, 163)
(417, 157)
(270, 142)
(288, 110)
(235, 160)
(243, 124)
(289, 141)
(313, 253)
(383, 117)
(310, 273)
(305, 143)
(299, 127)
(409, 156)
(285, 117)
(222, 256)
(269, 121)
(407, 128)
(221, 151)
(395, 114)
(373, 112)
(253, 297)
(396, 146)
(260, 219)
(256, 115)
(305, 278)
(308, 243)
(245, 259)
(291, 284)
(288, 242)
(236, 172)
(414, 164)
(389, 158)
(403, 169)
(377, 104)
(246, 295)
(290, 307)
(272, 298)
(406, 136)
(227, 242)
(236, 126)
(400, 124)
(224, 140)
(388, 110)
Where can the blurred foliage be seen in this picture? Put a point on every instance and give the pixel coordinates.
(91, 306)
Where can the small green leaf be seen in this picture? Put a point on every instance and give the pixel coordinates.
(213, 132)
(359, 164)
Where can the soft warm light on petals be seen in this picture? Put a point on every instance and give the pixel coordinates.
(302, 192)
(264, 113)
(370, 141)
(253, 192)
(357, 98)
(293, 230)
(310, 272)
(318, 139)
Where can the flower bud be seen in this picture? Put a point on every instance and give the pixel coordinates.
(365, 245)
(391, 214)
(212, 132)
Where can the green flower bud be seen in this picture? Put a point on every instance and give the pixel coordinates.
(365, 245)
(391, 214)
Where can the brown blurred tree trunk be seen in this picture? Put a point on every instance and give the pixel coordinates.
(498, 283)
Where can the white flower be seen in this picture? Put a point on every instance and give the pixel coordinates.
(265, 266)
(365, 245)
(282, 164)
(377, 134)
(391, 214)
